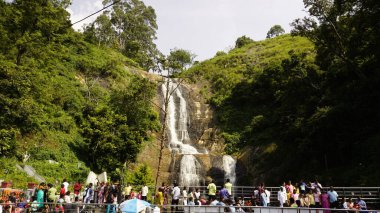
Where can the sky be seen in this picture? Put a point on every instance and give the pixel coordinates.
(207, 26)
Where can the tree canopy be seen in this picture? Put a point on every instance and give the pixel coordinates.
(130, 27)
(315, 105)
(274, 31)
(65, 99)
(242, 41)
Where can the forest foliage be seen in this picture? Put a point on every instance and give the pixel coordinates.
(64, 99)
(306, 106)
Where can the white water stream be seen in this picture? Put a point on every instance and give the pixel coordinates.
(178, 121)
(229, 167)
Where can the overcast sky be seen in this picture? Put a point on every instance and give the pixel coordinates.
(207, 26)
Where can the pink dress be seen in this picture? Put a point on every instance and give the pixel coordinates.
(325, 202)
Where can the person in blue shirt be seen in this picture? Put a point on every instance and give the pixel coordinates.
(223, 193)
(333, 197)
(361, 203)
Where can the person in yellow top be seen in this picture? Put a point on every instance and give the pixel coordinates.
(211, 190)
(160, 198)
(228, 186)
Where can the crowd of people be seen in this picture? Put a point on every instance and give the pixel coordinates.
(47, 197)
(313, 195)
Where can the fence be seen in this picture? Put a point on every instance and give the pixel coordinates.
(370, 194)
(100, 208)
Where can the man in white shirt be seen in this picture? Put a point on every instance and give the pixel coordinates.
(176, 193)
(66, 185)
(281, 196)
(268, 196)
(144, 192)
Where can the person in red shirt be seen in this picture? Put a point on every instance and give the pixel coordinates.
(77, 188)
(62, 192)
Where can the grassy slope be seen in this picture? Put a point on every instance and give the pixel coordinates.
(220, 74)
(69, 77)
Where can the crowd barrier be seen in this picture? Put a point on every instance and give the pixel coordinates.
(113, 208)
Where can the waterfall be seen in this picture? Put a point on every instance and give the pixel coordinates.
(189, 174)
(177, 121)
(229, 166)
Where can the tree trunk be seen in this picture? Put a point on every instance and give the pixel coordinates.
(162, 134)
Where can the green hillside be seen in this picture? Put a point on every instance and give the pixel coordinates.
(275, 105)
(63, 99)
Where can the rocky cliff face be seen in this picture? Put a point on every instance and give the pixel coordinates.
(203, 135)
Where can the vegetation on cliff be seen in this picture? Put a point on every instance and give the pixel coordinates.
(306, 106)
(64, 99)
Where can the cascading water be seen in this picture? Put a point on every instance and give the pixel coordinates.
(229, 166)
(189, 174)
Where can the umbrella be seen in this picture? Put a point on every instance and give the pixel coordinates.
(133, 206)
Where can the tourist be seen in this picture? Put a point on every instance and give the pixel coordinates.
(111, 208)
(77, 188)
(267, 193)
(88, 194)
(306, 201)
(197, 194)
(66, 184)
(67, 197)
(139, 195)
(59, 205)
(345, 204)
(317, 198)
(228, 186)
(292, 204)
(289, 187)
(333, 197)
(34, 205)
(184, 195)
(62, 192)
(310, 196)
(40, 196)
(52, 191)
(101, 193)
(263, 197)
(20, 207)
(203, 201)
(325, 201)
(350, 203)
(239, 209)
(211, 190)
(302, 187)
(132, 194)
(295, 195)
(213, 201)
(145, 191)
(176, 193)
(361, 204)
(223, 193)
(160, 197)
(68, 204)
(191, 203)
(127, 190)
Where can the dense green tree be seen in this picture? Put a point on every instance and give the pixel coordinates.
(242, 41)
(274, 31)
(31, 25)
(130, 26)
(64, 99)
(179, 59)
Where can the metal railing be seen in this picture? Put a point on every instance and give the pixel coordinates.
(100, 208)
(369, 194)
